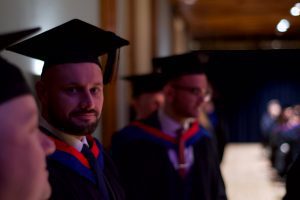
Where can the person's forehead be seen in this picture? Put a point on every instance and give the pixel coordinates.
(27, 99)
(18, 111)
(190, 78)
(152, 95)
(81, 67)
(74, 71)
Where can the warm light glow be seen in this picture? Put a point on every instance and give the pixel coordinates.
(276, 44)
(37, 67)
(283, 25)
(189, 2)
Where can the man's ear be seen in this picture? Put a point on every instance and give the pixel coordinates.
(134, 104)
(40, 91)
(169, 92)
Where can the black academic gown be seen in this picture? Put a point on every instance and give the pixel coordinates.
(293, 181)
(140, 153)
(71, 177)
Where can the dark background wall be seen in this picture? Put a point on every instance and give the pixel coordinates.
(245, 81)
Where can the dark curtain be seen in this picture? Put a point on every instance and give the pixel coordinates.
(244, 121)
(244, 81)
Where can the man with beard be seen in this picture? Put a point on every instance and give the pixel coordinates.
(168, 155)
(71, 95)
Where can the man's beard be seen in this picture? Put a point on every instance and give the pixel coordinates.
(70, 127)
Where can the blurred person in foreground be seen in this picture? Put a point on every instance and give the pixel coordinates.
(212, 120)
(71, 94)
(293, 181)
(168, 155)
(23, 151)
(292, 178)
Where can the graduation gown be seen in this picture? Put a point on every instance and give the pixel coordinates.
(71, 177)
(293, 181)
(140, 153)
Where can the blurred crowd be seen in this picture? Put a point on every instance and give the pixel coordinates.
(280, 126)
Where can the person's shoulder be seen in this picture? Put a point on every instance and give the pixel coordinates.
(127, 130)
(98, 143)
(204, 132)
(126, 133)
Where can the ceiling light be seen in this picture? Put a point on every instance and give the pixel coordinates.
(295, 11)
(283, 25)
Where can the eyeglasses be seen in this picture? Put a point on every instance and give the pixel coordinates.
(193, 90)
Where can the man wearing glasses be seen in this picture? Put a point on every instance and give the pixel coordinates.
(169, 156)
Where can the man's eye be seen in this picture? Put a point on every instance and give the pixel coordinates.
(196, 91)
(95, 90)
(72, 90)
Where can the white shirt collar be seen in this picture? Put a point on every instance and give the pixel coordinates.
(169, 125)
(67, 138)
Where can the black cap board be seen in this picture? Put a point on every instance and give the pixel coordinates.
(73, 42)
(12, 82)
(7, 39)
(181, 64)
(145, 83)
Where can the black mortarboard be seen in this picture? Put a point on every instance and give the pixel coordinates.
(73, 42)
(12, 82)
(176, 65)
(145, 83)
(10, 38)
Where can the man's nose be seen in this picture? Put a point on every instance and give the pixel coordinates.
(47, 144)
(87, 100)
